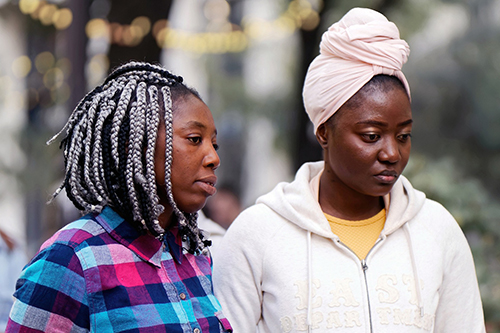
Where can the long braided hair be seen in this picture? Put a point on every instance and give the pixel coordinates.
(110, 143)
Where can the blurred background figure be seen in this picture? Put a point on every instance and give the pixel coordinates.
(219, 212)
(223, 207)
(12, 261)
(211, 229)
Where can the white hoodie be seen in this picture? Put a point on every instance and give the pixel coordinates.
(280, 268)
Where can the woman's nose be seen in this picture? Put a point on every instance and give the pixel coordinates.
(389, 153)
(212, 159)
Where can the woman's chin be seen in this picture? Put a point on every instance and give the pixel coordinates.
(192, 207)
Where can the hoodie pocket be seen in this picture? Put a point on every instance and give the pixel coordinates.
(224, 323)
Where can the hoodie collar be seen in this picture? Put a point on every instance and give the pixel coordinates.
(405, 202)
(298, 202)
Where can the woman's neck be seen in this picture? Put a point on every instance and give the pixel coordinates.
(167, 218)
(343, 202)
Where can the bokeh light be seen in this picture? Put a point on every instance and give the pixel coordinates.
(21, 66)
(97, 28)
(285, 24)
(132, 35)
(44, 61)
(53, 78)
(311, 21)
(62, 18)
(220, 35)
(259, 29)
(143, 23)
(158, 26)
(28, 6)
(46, 14)
(209, 42)
(116, 31)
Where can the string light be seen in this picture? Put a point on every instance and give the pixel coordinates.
(221, 37)
(48, 14)
(227, 39)
(215, 43)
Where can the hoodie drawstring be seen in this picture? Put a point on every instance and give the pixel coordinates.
(406, 228)
(309, 282)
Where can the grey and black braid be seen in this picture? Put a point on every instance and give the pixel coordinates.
(110, 143)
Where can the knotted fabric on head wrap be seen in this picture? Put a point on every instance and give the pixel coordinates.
(353, 50)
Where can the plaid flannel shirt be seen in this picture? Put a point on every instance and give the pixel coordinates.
(99, 274)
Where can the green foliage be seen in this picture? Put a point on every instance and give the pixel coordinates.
(477, 212)
(455, 76)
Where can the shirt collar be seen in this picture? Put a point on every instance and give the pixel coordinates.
(147, 247)
(173, 243)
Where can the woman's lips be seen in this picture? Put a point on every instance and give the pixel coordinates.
(208, 184)
(387, 177)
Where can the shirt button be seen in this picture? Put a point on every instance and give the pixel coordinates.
(183, 297)
(196, 330)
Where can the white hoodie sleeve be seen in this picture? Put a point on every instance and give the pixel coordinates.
(237, 272)
(460, 308)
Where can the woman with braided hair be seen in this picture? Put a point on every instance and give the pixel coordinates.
(349, 245)
(140, 155)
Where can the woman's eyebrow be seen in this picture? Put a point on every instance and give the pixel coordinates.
(383, 124)
(372, 122)
(405, 123)
(195, 123)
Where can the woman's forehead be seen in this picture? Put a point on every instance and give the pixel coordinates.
(376, 105)
(193, 113)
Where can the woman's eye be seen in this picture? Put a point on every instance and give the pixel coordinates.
(405, 137)
(195, 139)
(370, 137)
(216, 146)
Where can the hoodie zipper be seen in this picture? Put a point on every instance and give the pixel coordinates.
(364, 267)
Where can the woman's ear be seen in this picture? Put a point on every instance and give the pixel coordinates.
(322, 135)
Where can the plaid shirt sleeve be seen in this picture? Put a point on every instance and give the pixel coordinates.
(99, 274)
(51, 293)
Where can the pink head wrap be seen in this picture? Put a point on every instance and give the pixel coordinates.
(353, 50)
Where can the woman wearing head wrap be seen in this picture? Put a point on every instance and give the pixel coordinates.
(140, 155)
(349, 245)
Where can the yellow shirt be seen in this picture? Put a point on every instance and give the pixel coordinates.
(359, 236)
